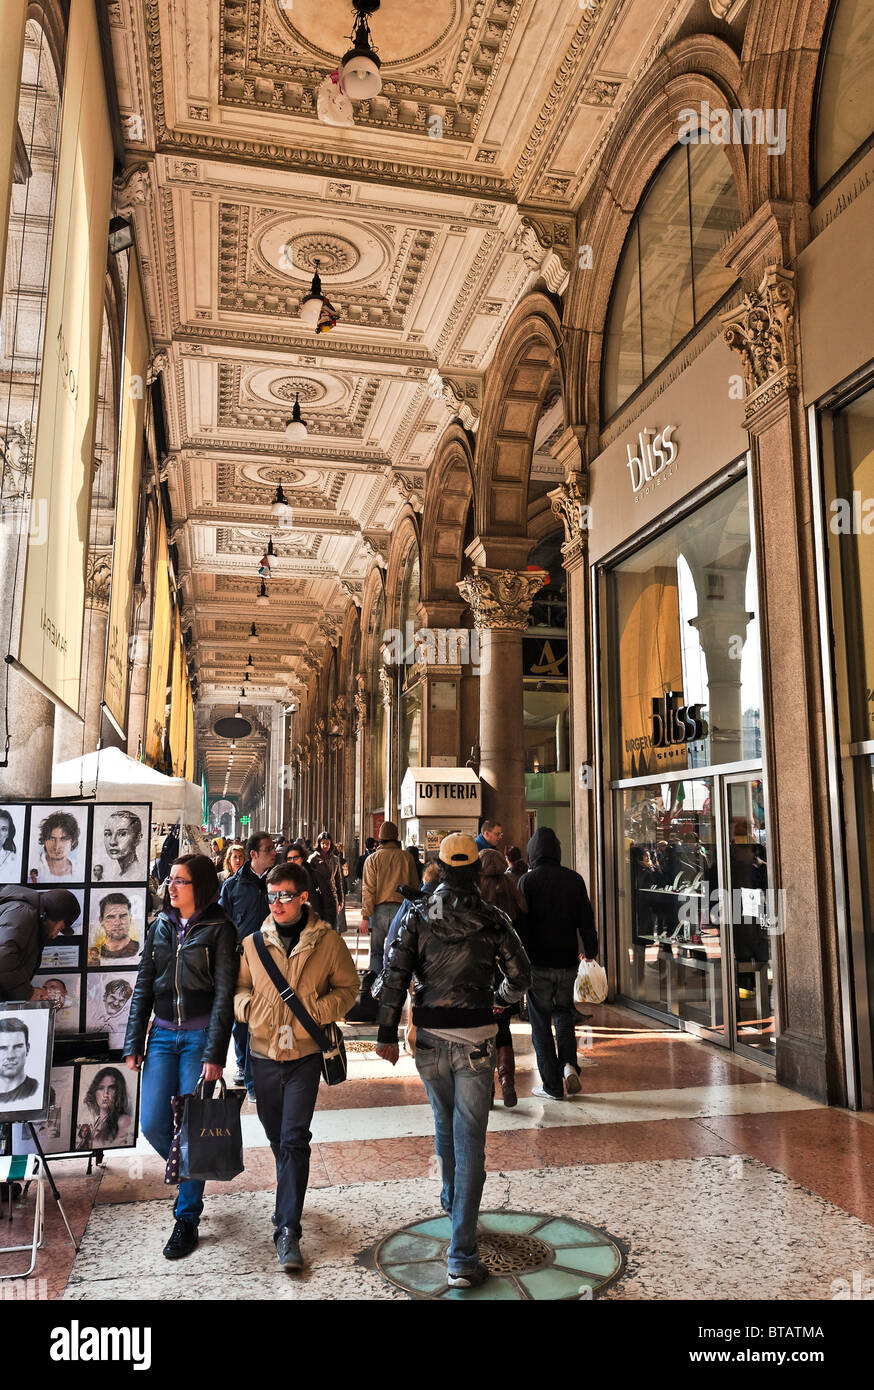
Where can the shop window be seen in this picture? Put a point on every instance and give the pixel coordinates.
(670, 273)
(684, 653)
(845, 102)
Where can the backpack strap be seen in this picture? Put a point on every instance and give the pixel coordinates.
(287, 994)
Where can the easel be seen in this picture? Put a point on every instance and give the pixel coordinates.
(28, 1125)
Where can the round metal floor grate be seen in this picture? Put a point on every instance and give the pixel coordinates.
(509, 1254)
(529, 1256)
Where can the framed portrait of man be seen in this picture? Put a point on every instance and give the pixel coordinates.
(107, 1109)
(121, 844)
(26, 1035)
(58, 845)
(117, 927)
(64, 991)
(11, 844)
(108, 1004)
(55, 1132)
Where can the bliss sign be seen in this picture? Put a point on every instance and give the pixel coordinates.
(654, 460)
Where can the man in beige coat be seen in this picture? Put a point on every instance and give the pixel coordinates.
(286, 1062)
(385, 871)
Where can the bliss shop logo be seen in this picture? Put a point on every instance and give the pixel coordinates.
(656, 455)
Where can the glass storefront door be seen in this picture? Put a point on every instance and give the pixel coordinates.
(749, 907)
(687, 867)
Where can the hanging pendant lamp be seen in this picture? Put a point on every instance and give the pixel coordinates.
(263, 598)
(359, 70)
(295, 428)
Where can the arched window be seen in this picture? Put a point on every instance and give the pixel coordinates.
(845, 101)
(670, 274)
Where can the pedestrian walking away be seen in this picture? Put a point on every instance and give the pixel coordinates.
(286, 1062)
(186, 979)
(388, 869)
(499, 887)
(559, 917)
(454, 943)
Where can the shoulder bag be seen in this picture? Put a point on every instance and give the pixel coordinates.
(329, 1040)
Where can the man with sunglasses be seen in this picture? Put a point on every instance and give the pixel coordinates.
(286, 1062)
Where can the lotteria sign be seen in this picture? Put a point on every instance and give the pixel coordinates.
(655, 460)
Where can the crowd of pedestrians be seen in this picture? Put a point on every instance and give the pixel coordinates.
(467, 938)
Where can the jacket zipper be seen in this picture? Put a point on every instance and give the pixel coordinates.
(176, 977)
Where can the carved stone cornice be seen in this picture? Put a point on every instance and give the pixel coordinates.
(329, 627)
(133, 186)
(499, 599)
(761, 330)
(570, 503)
(359, 700)
(544, 243)
(319, 738)
(98, 579)
(462, 395)
(159, 362)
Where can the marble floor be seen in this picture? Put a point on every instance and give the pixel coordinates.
(717, 1183)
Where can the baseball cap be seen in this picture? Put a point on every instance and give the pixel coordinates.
(456, 850)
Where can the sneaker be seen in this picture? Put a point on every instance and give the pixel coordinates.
(469, 1279)
(182, 1241)
(571, 1081)
(288, 1250)
(542, 1093)
(239, 1079)
(250, 1096)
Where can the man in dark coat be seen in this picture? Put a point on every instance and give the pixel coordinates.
(28, 920)
(559, 915)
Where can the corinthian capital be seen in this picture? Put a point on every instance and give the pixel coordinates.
(761, 331)
(501, 599)
(570, 502)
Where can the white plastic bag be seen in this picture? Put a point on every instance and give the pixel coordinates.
(590, 986)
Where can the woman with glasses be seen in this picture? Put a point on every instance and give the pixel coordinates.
(186, 978)
(286, 1062)
(298, 853)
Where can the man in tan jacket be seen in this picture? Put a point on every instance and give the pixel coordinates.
(385, 871)
(286, 1062)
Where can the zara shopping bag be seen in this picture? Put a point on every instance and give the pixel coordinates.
(208, 1140)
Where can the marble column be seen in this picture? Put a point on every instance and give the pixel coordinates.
(570, 505)
(500, 600)
(810, 1054)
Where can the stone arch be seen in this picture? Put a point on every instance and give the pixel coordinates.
(448, 495)
(516, 386)
(697, 69)
(781, 53)
(405, 536)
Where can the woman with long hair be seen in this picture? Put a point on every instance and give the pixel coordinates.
(106, 1101)
(186, 979)
(8, 852)
(499, 887)
(235, 858)
(324, 865)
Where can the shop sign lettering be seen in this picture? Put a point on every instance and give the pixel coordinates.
(673, 722)
(655, 459)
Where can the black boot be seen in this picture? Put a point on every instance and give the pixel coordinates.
(182, 1241)
(288, 1250)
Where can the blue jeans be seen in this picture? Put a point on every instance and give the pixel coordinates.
(380, 921)
(459, 1086)
(173, 1064)
(286, 1095)
(551, 1004)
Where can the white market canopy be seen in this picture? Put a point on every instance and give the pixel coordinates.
(116, 777)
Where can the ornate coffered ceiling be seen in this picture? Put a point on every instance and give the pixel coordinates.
(454, 191)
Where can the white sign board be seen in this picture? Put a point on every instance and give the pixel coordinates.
(443, 793)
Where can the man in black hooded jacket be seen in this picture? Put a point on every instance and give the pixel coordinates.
(558, 909)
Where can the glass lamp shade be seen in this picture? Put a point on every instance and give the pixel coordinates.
(296, 429)
(359, 74)
(310, 310)
(280, 508)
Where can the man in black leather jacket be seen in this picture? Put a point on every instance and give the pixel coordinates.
(454, 944)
